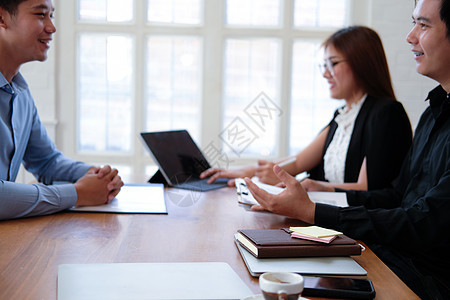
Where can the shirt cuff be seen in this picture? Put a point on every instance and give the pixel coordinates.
(68, 195)
(327, 216)
(80, 172)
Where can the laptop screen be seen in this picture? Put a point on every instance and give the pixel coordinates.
(177, 155)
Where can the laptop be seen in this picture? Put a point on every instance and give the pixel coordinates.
(180, 161)
(147, 281)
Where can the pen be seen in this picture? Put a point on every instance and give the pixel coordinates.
(302, 176)
(287, 161)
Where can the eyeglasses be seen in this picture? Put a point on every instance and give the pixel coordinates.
(329, 65)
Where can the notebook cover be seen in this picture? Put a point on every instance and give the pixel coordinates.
(265, 243)
(150, 281)
(338, 266)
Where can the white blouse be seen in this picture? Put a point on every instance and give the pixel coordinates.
(336, 154)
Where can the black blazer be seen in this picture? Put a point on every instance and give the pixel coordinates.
(382, 133)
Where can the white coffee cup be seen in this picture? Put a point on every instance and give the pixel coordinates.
(281, 285)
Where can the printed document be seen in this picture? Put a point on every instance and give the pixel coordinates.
(246, 197)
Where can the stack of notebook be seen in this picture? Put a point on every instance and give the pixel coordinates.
(276, 250)
(264, 243)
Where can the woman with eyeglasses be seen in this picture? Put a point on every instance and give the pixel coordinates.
(364, 145)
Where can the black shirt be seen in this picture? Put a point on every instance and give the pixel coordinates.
(412, 219)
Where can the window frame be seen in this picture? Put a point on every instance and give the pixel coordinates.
(214, 33)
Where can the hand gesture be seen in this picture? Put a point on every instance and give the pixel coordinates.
(292, 202)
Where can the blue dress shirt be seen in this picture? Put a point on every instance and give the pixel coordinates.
(25, 140)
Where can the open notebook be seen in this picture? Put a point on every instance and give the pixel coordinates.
(246, 197)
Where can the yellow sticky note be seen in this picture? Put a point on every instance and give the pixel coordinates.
(315, 231)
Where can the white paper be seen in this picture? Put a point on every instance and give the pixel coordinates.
(145, 198)
(246, 197)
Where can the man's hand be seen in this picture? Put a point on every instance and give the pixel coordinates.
(292, 202)
(98, 186)
(116, 182)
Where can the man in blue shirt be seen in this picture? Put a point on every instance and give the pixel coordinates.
(26, 29)
(406, 225)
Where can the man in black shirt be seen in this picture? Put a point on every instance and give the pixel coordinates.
(407, 225)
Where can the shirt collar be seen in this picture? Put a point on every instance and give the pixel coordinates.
(355, 106)
(439, 101)
(17, 85)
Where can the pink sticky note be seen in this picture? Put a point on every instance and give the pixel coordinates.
(326, 240)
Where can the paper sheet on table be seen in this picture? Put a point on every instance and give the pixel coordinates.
(142, 198)
(246, 197)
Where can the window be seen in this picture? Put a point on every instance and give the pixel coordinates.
(251, 66)
(254, 13)
(105, 92)
(218, 68)
(320, 13)
(173, 83)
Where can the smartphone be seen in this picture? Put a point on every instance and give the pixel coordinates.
(338, 287)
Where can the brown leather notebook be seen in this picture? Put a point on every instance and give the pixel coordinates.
(265, 243)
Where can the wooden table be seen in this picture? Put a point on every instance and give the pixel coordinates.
(199, 228)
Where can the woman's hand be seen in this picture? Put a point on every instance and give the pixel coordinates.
(216, 173)
(264, 171)
(311, 185)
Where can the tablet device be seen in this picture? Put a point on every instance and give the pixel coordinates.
(179, 159)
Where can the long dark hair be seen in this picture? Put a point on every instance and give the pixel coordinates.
(363, 51)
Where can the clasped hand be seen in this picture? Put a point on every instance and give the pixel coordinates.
(98, 186)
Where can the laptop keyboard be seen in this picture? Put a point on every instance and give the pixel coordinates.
(202, 185)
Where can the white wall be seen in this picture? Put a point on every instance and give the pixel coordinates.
(391, 19)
